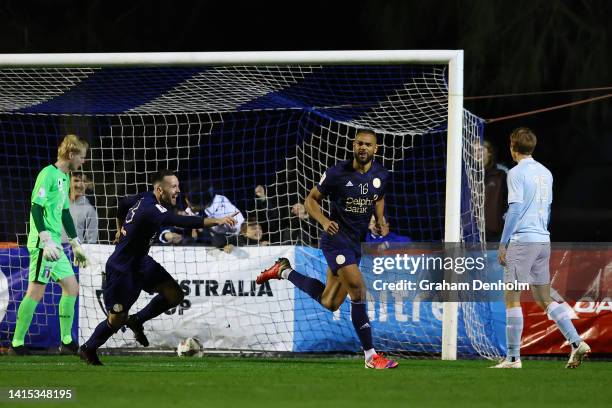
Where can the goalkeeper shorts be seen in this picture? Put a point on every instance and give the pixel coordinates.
(41, 270)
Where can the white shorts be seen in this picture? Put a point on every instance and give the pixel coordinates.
(528, 262)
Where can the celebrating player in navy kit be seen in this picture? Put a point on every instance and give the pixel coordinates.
(130, 269)
(356, 190)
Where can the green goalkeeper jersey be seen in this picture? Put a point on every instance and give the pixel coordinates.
(51, 193)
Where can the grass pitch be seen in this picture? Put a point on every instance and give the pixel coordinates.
(149, 381)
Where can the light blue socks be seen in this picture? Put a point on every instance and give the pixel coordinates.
(514, 330)
(557, 313)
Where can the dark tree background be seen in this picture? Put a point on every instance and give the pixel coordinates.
(510, 47)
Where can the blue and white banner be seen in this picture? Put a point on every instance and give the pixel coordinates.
(45, 330)
(398, 323)
(225, 309)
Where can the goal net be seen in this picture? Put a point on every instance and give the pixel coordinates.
(260, 136)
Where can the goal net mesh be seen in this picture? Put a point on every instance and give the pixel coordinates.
(260, 136)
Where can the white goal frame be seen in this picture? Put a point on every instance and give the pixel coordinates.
(454, 59)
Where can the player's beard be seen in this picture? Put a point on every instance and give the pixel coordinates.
(365, 161)
(166, 200)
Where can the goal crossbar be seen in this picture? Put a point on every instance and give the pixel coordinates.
(454, 59)
(230, 58)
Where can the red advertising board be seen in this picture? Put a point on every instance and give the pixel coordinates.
(582, 277)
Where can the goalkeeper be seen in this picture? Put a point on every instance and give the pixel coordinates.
(50, 210)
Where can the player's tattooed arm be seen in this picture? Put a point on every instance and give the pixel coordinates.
(313, 207)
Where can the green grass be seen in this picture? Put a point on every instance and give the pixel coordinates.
(139, 381)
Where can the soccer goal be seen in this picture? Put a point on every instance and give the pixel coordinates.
(236, 121)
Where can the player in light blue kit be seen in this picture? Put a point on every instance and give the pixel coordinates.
(356, 190)
(524, 249)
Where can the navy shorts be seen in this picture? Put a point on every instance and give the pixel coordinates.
(122, 290)
(340, 251)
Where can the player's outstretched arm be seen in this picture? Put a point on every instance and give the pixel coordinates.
(313, 207)
(230, 221)
(191, 222)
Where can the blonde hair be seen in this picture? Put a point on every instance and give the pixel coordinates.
(71, 144)
(523, 140)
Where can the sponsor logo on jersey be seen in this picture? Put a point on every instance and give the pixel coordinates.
(358, 205)
(41, 192)
(349, 184)
(340, 259)
(376, 182)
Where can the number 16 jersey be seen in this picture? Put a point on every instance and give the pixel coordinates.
(353, 196)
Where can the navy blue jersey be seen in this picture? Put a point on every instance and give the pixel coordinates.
(143, 217)
(353, 196)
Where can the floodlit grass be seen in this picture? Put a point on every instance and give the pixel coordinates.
(152, 381)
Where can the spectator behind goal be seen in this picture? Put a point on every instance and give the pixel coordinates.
(83, 213)
(203, 199)
(251, 233)
(496, 192)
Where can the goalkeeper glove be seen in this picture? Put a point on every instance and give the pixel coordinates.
(80, 259)
(51, 251)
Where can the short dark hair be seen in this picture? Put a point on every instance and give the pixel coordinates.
(492, 148)
(80, 174)
(523, 140)
(246, 224)
(201, 193)
(159, 175)
(367, 131)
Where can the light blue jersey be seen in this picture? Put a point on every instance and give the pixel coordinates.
(530, 186)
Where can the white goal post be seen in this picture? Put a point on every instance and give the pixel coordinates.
(452, 58)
